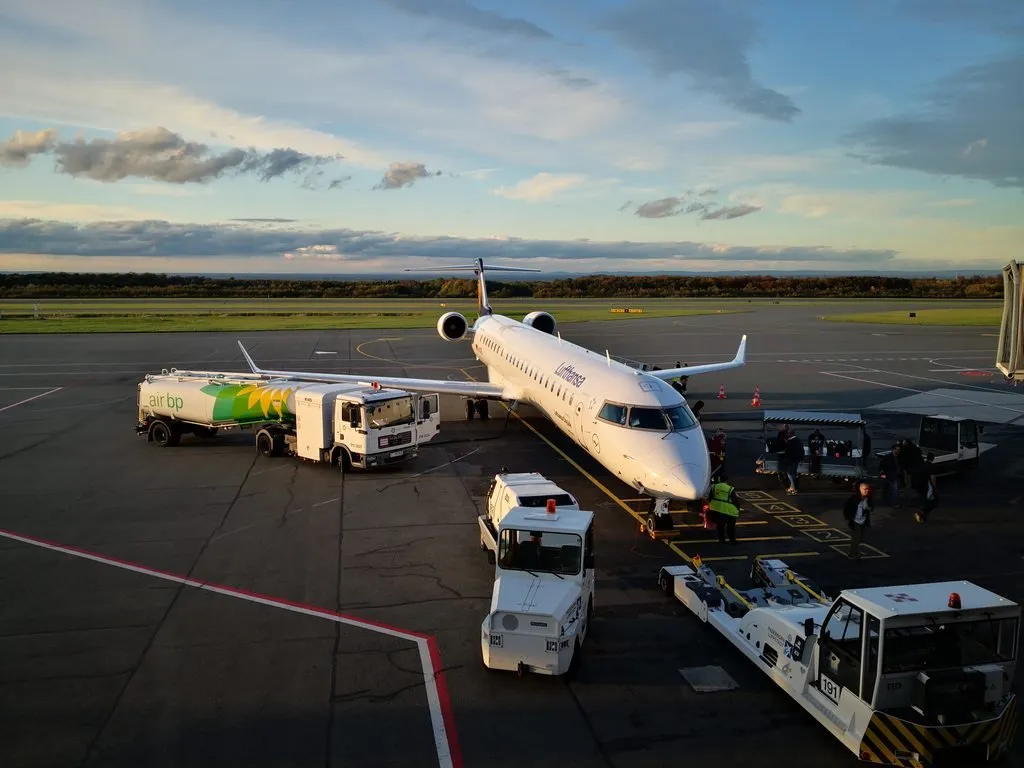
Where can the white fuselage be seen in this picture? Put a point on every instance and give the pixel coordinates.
(571, 385)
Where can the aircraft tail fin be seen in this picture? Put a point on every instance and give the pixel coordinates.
(483, 304)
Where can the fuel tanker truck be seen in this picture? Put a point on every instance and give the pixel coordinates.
(348, 425)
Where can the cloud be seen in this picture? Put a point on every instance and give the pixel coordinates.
(708, 42)
(369, 75)
(336, 183)
(467, 14)
(681, 206)
(1004, 17)
(971, 128)
(542, 186)
(258, 220)
(23, 146)
(161, 239)
(404, 175)
(153, 153)
(40, 209)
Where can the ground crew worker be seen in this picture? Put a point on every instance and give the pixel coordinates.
(716, 450)
(726, 507)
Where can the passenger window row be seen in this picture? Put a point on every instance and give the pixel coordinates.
(548, 381)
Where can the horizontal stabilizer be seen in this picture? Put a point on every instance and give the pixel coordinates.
(696, 370)
(472, 268)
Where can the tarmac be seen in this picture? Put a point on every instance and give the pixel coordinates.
(205, 605)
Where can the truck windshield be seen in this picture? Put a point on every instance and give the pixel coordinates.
(540, 551)
(561, 500)
(957, 644)
(389, 413)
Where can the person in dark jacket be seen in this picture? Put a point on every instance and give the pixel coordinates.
(857, 511)
(793, 455)
(890, 474)
(925, 484)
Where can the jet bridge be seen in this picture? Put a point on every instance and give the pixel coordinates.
(1009, 358)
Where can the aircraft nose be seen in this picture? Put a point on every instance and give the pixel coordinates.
(682, 481)
(689, 481)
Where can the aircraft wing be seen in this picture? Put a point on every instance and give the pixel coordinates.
(481, 389)
(696, 370)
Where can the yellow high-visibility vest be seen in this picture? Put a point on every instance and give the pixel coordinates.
(719, 501)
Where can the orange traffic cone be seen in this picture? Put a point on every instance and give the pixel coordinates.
(756, 402)
(721, 392)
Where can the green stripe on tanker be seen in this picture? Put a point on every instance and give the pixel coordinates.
(248, 402)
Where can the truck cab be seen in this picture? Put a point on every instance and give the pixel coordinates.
(363, 427)
(926, 670)
(910, 675)
(954, 442)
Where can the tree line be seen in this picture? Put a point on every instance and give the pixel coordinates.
(63, 285)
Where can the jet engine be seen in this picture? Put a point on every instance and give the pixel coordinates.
(542, 321)
(452, 326)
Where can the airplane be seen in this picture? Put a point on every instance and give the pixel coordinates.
(633, 422)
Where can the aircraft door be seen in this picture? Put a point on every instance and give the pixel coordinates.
(581, 436)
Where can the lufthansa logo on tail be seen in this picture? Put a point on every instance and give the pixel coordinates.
(569, 373)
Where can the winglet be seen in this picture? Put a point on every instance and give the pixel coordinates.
(248, 359)
(741, 353)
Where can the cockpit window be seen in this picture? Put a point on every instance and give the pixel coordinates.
(614, 413)
(680, 417)
(647, 418)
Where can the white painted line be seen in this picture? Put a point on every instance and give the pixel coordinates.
(30, 399)
(926, 378)
(449, 754)
(923, 391)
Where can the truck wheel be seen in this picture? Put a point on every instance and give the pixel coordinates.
(163, 435)
(665, 582)
(265, 443)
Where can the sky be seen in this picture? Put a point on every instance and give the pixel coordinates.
(351, 136)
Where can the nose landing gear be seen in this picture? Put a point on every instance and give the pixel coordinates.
(658, 518)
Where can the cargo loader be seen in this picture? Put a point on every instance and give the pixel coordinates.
(348, 425)
(914, 675)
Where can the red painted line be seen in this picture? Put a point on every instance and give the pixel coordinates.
(449, 752)
(447, 711)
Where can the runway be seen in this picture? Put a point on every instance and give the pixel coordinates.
(205, 605)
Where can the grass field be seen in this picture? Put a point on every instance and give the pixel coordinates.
(983, 317)
(273, 318)
(154, 315)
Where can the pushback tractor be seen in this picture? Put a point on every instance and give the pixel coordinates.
(542, 546)
(917, 675)
(350, 425)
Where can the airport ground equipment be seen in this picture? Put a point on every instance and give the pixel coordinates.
(543, 595)
(1010, 352)
(914, 675)
(349, 425)
(953, 441)
(842, 456)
